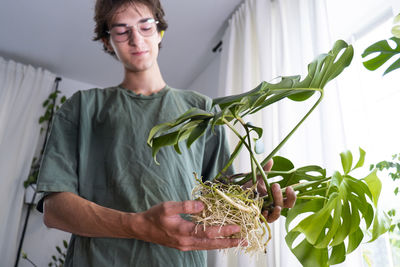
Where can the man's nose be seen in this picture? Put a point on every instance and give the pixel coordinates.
(135, 37)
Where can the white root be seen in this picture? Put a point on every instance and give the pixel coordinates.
(236, 205)
(232, 205)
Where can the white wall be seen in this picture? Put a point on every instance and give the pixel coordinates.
(207, 82)
(40, 241)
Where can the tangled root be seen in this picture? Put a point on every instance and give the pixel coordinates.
(229, 204)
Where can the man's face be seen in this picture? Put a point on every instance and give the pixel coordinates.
(138, 53)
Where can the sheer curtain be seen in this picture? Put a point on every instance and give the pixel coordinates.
(266, 39)
(22, 91)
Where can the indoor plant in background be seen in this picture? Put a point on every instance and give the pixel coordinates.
(333, 212)
(50, 105)
(377, 55)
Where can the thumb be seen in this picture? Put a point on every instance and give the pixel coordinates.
(267, 167)
(183, 207)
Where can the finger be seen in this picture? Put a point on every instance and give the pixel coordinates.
(290, 198)
(267, 167)
(182, 207)
(221, 243)
(276, 213)
(217, 231)
(277, 195)
(261, 188)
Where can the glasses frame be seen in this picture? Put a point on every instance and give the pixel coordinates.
(129, 27)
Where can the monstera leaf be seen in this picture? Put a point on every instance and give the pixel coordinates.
(191, 125)
(384, 52)
(335, 212)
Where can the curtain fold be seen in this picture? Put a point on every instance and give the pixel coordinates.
(22, 90)
(266, 39)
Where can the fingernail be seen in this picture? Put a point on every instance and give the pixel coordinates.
(236, 228)
(199, 205)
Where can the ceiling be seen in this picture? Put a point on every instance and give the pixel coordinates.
(56, 35)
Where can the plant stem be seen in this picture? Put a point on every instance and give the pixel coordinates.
(276, 149)
(253, 170)
(297, 126)
(253, 157)
(234, 154)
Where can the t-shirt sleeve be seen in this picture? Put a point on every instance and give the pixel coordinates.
(216, 153)
(58, 170)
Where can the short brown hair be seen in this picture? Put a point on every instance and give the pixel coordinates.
(106, 9)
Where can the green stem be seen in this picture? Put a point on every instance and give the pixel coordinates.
(253, 157)
(238, 175)
(234, 154)
(252, 164)
(304, 185)
(310, 197)
(279, 146)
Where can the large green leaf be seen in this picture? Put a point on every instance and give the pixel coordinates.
(321, 70)
(193, 124)
(308, 255)
(385, 52)
(331, 214)
(303, 180)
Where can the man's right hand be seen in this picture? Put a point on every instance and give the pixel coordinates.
(163, 225)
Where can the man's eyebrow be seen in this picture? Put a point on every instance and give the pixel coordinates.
(118, 24)
(124, 24)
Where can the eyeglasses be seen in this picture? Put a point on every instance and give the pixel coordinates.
(123, 32)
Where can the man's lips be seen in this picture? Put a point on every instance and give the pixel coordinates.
(139, 53)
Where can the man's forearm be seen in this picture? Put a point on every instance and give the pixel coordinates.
(69, 212)
(161, 224)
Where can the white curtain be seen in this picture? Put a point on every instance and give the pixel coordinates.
(266, 39)
(22, 91)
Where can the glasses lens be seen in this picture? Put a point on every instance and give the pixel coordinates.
(120, 33)
(147, 28)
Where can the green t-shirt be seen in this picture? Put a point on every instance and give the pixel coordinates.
(97, 149)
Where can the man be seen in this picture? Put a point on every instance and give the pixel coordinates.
(99, 178)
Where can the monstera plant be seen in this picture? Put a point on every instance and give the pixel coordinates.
(332, 213)
(381, 51)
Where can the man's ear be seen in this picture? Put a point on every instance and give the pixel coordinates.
(107, 44)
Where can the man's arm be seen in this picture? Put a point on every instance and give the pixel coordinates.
(161, 224)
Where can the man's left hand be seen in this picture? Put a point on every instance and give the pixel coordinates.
(279, 201)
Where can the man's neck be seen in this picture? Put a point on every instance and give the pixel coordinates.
(145, 83)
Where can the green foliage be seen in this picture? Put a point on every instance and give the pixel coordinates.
(384, 51)
(51, 104)
(57, 260)
(191, 125)
(392, 168)
(336, 210)
(333, 210)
